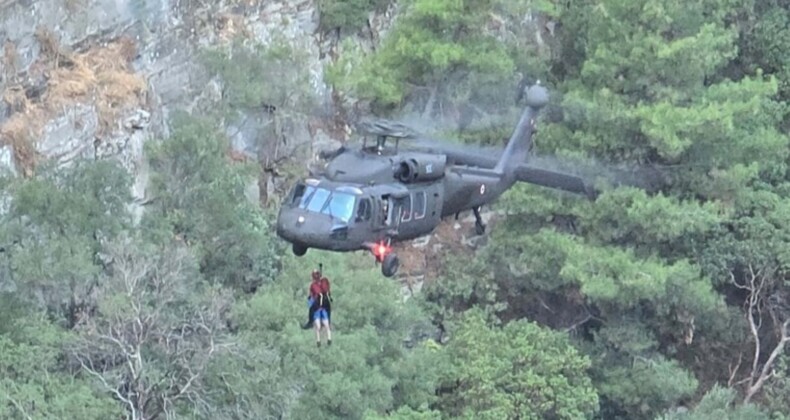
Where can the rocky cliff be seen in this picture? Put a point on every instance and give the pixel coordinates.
(98, 78)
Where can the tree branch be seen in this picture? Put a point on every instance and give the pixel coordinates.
(767, 370)
(18, 407)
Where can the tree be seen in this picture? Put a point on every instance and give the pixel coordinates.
(200, 197)
(718, 404)
(155, 329)
(519, 370)
(268, 95)
(54, 227)
(442, 48)
(347, 15)
(32, 383)
(648, 88)
(377, 361)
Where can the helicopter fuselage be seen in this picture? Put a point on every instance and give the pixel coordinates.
(365, 198)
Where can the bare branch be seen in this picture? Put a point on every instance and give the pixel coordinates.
(767, 370)
(19, 407)
(734, 371)
(758, 283)
(88, 367)
(158, 323)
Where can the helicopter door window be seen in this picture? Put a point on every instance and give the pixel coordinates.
(364, 210)
(406, 209)
(388, 211)
(419, 205)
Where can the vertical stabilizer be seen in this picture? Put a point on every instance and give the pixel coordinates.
(521, 141)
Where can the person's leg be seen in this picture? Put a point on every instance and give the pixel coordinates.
(328, 311)
(317, 324)
(324, 319)
(328, 331)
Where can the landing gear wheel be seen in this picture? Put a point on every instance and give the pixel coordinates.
(299, 250)
(480, 228)
(390, 265)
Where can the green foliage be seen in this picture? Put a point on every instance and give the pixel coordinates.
(646, 387)
(718, 404)
(644, 285)
(776, 398)
(32, 386)
(520, 370)
(347, 14)
(367, 369)
(767, 43)
(648, 87)
(200, 197)
(258, 76)
(53, 229)
(429, 40)
(250, 382)
(628, 215)
(405, 413)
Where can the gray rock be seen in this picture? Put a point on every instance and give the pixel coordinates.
(7, 165)
(168, 33)
(70, 136)
(322, 142)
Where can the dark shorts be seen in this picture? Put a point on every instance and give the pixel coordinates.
(320, 315)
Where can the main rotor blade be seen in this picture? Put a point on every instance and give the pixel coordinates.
(384, 127)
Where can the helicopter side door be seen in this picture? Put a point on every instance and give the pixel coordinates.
(420, 211)
(386, 208)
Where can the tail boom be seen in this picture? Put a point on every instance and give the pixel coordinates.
(520, 142)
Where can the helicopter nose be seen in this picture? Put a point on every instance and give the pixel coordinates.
(297, 225)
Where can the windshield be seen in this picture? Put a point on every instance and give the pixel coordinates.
(339, 205)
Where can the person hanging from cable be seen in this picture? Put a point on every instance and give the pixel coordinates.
(313, 295)
(319, 302)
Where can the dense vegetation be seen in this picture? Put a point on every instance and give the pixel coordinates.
(671, 306)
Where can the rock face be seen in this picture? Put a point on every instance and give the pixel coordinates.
(96, 79)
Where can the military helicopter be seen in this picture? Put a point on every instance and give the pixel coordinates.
(372, 197)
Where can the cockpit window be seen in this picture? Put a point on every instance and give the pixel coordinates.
(317, 200)
(337, 204)
(298, 194)
(341, 206)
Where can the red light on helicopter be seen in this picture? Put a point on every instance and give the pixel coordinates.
(380, 250)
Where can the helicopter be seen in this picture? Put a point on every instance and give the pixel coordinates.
(374, 196)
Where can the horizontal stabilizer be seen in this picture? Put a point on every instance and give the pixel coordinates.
(553, 179)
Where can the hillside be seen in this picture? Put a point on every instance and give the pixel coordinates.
(145, 147)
